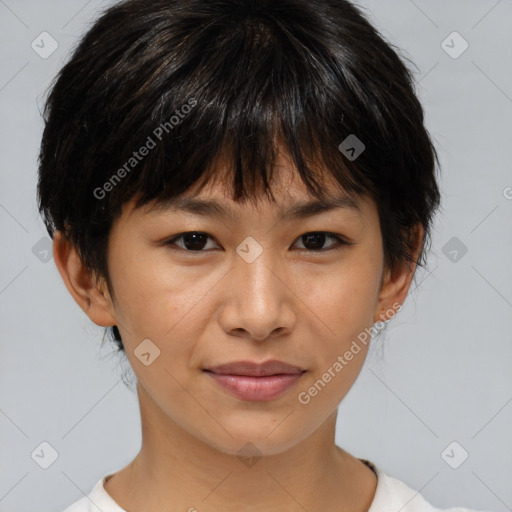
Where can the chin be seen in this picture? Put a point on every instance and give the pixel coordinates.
(258, 440)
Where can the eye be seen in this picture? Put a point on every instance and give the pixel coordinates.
(195, 241)
(316, 239)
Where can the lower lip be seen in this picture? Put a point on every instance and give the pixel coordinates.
(257, 389)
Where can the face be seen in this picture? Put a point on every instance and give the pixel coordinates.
(255, 285)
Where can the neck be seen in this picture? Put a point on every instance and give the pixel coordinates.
(177, 469)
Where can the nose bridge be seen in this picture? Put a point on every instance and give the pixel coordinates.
(254, 269)
(258, 303)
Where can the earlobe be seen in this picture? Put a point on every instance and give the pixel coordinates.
(92, 298)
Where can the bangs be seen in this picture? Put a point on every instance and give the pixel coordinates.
(196, 111)
(161, 98)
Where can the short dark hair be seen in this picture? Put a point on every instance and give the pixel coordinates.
(191, 80)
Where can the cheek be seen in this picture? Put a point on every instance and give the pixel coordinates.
(339, 310)
(158, 300)
(343, 300)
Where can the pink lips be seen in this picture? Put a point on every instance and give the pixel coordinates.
(256, 382)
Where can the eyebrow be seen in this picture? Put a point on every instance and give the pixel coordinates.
(300, 210)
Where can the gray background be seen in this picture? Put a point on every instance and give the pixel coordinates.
(440, 374)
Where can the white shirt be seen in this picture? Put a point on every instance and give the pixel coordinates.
(391, 495)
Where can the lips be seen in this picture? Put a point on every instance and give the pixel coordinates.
(256, 382)
(253, 369)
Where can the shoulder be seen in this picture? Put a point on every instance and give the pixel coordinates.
(82, 505)
(392, 494)
(97, 500)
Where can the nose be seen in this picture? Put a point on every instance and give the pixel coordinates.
(259, 301)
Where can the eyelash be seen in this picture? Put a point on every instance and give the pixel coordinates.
(340, 242)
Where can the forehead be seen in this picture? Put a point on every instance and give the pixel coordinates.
(292, 199)
(224, 208)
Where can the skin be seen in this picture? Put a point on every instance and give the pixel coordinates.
(203, 309)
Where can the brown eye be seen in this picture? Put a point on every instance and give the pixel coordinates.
(193, 241)
(314, 241)
(196, 241)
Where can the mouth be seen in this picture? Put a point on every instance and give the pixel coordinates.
(253, 369)
(256, 382)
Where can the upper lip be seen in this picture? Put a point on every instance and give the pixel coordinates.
(249, 368)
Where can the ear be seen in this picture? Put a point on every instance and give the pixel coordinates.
(93, 298)
(395, 286)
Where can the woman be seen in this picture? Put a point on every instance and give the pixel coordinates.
(194, 156)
